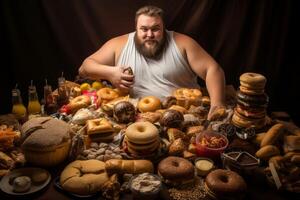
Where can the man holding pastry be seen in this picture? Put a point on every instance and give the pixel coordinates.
(161, 60)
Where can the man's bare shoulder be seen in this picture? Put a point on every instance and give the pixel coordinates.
(118, 42)
(183, 40)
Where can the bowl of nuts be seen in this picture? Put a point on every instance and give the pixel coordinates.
(210, 143)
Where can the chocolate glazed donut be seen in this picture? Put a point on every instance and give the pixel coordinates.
(124, 112)
(252, 100)
(225, 182)
(171, 119)
(176, 168)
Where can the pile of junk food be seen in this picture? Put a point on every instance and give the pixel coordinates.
(109, 144)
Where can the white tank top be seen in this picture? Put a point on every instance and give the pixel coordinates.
(157, 77)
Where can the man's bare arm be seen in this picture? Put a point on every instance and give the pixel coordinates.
(101, 64)
(205, 67)
(98, 65)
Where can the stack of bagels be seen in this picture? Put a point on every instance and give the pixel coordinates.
(142, 138)
(252, 102)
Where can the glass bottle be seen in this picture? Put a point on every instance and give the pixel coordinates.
(63, 97)
(50, 104)
(34, 106)
(18, 108)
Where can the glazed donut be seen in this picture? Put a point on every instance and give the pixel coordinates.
(176, 169)
(149, 104)
(246, 100)
(252, 83)
(81, 101)
(187, 97)
(107, 94)
(222, 182)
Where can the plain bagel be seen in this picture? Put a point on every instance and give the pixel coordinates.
(141, 132)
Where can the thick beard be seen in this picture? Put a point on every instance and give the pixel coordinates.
(155, 51)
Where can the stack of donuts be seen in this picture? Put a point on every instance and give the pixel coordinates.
(142, 138)
(252, 102)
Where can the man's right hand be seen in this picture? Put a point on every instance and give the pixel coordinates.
(121, 79)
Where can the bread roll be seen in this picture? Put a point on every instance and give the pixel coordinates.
(84, 177)
(128, 166)
(267, 152)
(39, 176)
(272, 135)
(292, 142)
(258, 138)
(21, 184)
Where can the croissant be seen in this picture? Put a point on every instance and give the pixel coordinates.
(128, 166)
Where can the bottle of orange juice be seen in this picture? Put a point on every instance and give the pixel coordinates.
(18, 108)
(34, 106)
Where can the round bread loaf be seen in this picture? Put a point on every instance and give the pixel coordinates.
(45, 141)
(84, 177)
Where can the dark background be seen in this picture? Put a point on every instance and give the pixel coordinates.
(40, 39)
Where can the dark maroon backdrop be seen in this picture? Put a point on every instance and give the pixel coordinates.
(41, 39)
